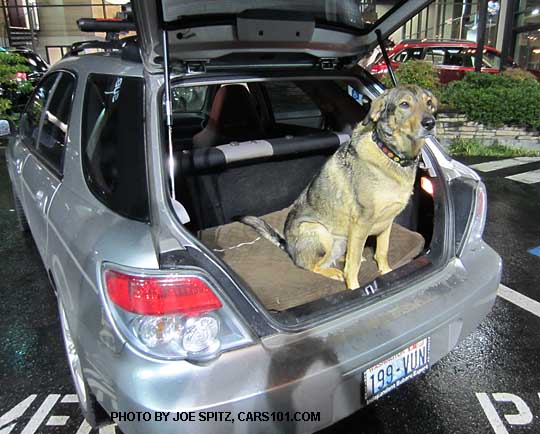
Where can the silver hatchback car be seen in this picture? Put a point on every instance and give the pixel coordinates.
(130, 169)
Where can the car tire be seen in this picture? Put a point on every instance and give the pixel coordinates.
(22, 223)
(92, 411)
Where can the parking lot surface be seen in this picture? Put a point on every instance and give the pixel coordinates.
(490, 383)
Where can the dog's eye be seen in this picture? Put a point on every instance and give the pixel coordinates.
(429, 103)
(404, 104)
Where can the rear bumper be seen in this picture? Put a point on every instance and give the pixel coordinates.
(319, 370)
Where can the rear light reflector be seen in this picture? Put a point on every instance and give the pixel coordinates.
(427, 185)
(160, 295)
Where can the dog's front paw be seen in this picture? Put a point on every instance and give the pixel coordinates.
(383, 265)
(336, 274)
(385, 269)
(352, 283)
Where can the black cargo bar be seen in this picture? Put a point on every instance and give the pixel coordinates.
(234, 152)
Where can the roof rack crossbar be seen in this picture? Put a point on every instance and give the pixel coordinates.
(79, 47)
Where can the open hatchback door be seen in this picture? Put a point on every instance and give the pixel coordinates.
(206, 33)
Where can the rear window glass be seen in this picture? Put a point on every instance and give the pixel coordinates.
(219, 114)
(291, 105)
(189, 99)
(113, 144)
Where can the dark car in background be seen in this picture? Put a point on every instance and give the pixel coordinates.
(36, 65)
(18, 88)
(451, 58)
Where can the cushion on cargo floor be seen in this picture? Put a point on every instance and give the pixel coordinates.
(272, 275)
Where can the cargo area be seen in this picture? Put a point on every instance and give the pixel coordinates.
(250, 149)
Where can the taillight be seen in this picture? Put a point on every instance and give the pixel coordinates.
(158, 295)
(470, 204)
(21, 76)
(172, 314)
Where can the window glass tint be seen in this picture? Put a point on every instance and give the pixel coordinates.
(409, 54)
(491, 60)
(113, 144)
(189, 99)
(52, 139)
(29, 124)
(291, 105)
(459, 57)
(435, 55)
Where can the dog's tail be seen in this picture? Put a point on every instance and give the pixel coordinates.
(265, 230)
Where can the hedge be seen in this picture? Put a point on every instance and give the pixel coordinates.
(496, 99)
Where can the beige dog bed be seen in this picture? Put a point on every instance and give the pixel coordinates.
(272, 275)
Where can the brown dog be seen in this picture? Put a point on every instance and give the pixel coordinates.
(359, 190)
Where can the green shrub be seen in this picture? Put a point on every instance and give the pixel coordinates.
(12, 91)
(519, 74)
(496, 99)
(416, 72)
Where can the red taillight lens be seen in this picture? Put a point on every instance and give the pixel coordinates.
(160, 295)
(21, 75)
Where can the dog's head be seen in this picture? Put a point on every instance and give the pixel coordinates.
(403, 117)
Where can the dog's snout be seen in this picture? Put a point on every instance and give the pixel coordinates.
(428, 123)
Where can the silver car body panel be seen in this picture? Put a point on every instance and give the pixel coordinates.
(318, 369)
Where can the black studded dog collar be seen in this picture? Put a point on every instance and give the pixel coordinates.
(395, 156)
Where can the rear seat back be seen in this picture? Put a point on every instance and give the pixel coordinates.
(254, 177)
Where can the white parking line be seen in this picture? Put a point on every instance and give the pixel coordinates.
(519, 299)
(489, 409)
(531, 177)
(490, 166)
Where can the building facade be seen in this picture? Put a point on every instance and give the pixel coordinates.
(49, 27)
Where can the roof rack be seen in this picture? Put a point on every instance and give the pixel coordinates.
(127, 47)
(112, 27)
(107, 25)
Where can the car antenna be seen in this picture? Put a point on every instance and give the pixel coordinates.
(168, 109)
(386, 58)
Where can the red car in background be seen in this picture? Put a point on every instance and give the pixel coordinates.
(451, 58)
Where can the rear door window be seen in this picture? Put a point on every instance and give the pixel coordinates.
(114, 158)
(52, 138)
(31, 117)
(435, 56)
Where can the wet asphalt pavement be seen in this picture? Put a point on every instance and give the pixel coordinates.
(501, 357)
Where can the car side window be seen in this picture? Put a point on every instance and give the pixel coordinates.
(189, 99)
(114, 160)
(491, 60)
(409, 54)
(459, 57)
(435, 56)
(52, 139)
(292, 106)
(31, 117)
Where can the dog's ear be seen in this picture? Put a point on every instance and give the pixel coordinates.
(428, 95)
(377, 107)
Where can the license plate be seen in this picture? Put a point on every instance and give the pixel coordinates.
(390, 373)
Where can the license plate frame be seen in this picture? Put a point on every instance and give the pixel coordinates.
(376, 384)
